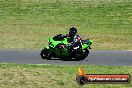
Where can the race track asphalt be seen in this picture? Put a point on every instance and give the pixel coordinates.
(96, 57)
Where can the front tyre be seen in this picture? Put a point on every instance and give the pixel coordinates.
(50, 55)
(44, 53)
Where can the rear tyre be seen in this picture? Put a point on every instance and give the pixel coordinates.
(85, 54)
(77, 57)
(44, 53)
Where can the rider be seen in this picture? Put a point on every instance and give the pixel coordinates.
(74, 38)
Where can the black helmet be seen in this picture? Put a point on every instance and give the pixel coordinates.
(72, 31)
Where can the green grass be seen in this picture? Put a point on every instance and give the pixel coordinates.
(55, 76)
(29, 23)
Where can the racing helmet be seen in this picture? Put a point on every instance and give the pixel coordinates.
(72, 31)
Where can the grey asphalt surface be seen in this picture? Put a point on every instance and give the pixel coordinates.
(96, 57)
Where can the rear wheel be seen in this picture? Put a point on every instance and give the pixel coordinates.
(82, 56)
(85, 53)
(77, 57)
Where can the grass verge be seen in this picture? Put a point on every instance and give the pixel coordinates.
(55, 76)
(29, 23)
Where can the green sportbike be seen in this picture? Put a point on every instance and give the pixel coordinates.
(59, 48)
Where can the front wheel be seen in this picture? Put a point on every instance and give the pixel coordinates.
(44, 53)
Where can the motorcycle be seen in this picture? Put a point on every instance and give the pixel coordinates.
(59, 47)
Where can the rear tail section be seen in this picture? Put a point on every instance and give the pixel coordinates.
(86, 43)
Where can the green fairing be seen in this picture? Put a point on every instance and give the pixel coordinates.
(61, 53)
(54, 43)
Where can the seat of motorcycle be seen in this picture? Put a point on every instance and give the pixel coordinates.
(85, 41)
